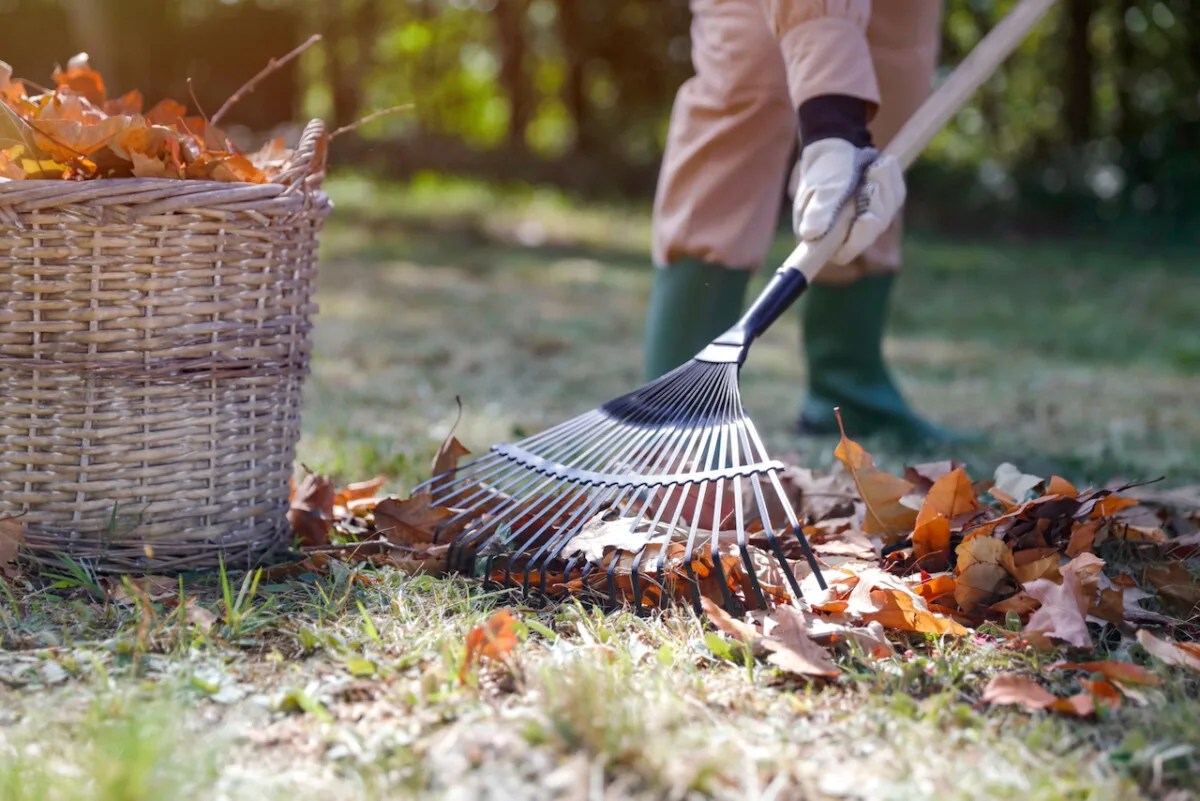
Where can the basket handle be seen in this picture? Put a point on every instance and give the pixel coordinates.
(307, 166)
(809, 257)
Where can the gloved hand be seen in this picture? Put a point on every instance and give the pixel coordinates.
(822, 179)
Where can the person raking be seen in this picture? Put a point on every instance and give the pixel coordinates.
(829, 77)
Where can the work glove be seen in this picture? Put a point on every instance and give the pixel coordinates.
(833, 172)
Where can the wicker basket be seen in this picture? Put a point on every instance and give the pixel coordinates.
(154, 340)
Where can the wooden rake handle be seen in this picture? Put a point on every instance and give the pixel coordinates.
(949, 98)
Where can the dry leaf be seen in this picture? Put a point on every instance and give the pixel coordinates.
(1035, 563)
(1082, 538)
(358, 491)
(1013, 483)
(1063, 613)
(982, 573)
(1060, 486)
(493, 640)
(1008, 689)
(881, 492)
(198, 616)
(1103, 694)
(738, 629)
(950, 496)
(311, 512)
(411, 522)
(1114, 670)
(793, 651)
(599, 536)
(923, 476)
(1175, 585)
(12, 537)
(1168, 651)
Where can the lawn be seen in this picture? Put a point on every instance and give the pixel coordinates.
(1076, 358)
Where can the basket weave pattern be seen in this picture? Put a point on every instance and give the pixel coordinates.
(154, 340)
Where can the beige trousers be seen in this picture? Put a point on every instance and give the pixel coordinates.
(734, 126)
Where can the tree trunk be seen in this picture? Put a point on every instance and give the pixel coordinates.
(1079, 99)
(509, 17)
(573, 38)
(347, 77)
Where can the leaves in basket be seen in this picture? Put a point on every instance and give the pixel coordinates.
(76, 132)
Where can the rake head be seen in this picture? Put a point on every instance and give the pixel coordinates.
(666, 492)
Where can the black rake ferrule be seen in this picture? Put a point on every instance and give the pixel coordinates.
(784, 288)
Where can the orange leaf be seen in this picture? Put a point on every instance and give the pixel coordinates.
(881, 492)
(10, 91)
(166, 112)
(1103, 693)
(1114, 670)
(906, 612)
(1110, 505)
(1060, 486)
(1082, 538)
(493, 640)
(82, 79)
(127, 104)
(10, 169)
(359, 491)
(936, 587)
(1036, 566)
(950, 496)
(727, 623)
(149, 167)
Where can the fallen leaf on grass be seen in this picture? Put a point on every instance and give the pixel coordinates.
(1008, 689)
(1082, 538)
(1169, 651)
(1060, 486)
(311, 512)
(599, 537)
(725, 622)
(155, 588)
(881, 492)
(1062, 615)
(983, 572)
(360, 490)
(410, 522)
(1176, 585)
(1035, 563)
(923, 476)
(198, 616)
(793, 651)
(493, 640)
(909, 612)
(1103, 694)
(950, 496)
(1114, 670)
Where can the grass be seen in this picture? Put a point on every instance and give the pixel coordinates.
(1076, 357)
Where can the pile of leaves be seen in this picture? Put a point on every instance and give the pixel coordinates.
(1013, 560)
(77, 131)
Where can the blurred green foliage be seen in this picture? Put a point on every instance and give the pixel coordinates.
(1094, 124)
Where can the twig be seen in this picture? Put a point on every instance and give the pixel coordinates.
(369, 118)
(272, 65)
(199, 108)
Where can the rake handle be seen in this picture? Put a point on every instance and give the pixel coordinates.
(810, 257)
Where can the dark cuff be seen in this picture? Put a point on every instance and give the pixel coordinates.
(834, 117)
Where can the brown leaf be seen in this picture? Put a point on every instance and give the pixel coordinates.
(982, 572)
(1114, 670)
(792, 650)
(155, 588)
(881, 492)
(10, 91)
(311, 512)
(150, 167)
(1022, 603)
(198, 616)
(12, 537)
(1103, 694)
(445, 462)
(1008, 689)
(127, 104)
(493, 640)
(1168, 651)
(411, 522)
(1175, 585)
(909, 612)
(10, 169)
(1110, 505)
(817, 497)
(1063, 614)
(737, 629)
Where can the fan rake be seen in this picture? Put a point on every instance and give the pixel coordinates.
(670, 486)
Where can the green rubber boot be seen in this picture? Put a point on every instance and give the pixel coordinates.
(843, 338)
(692, 302)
